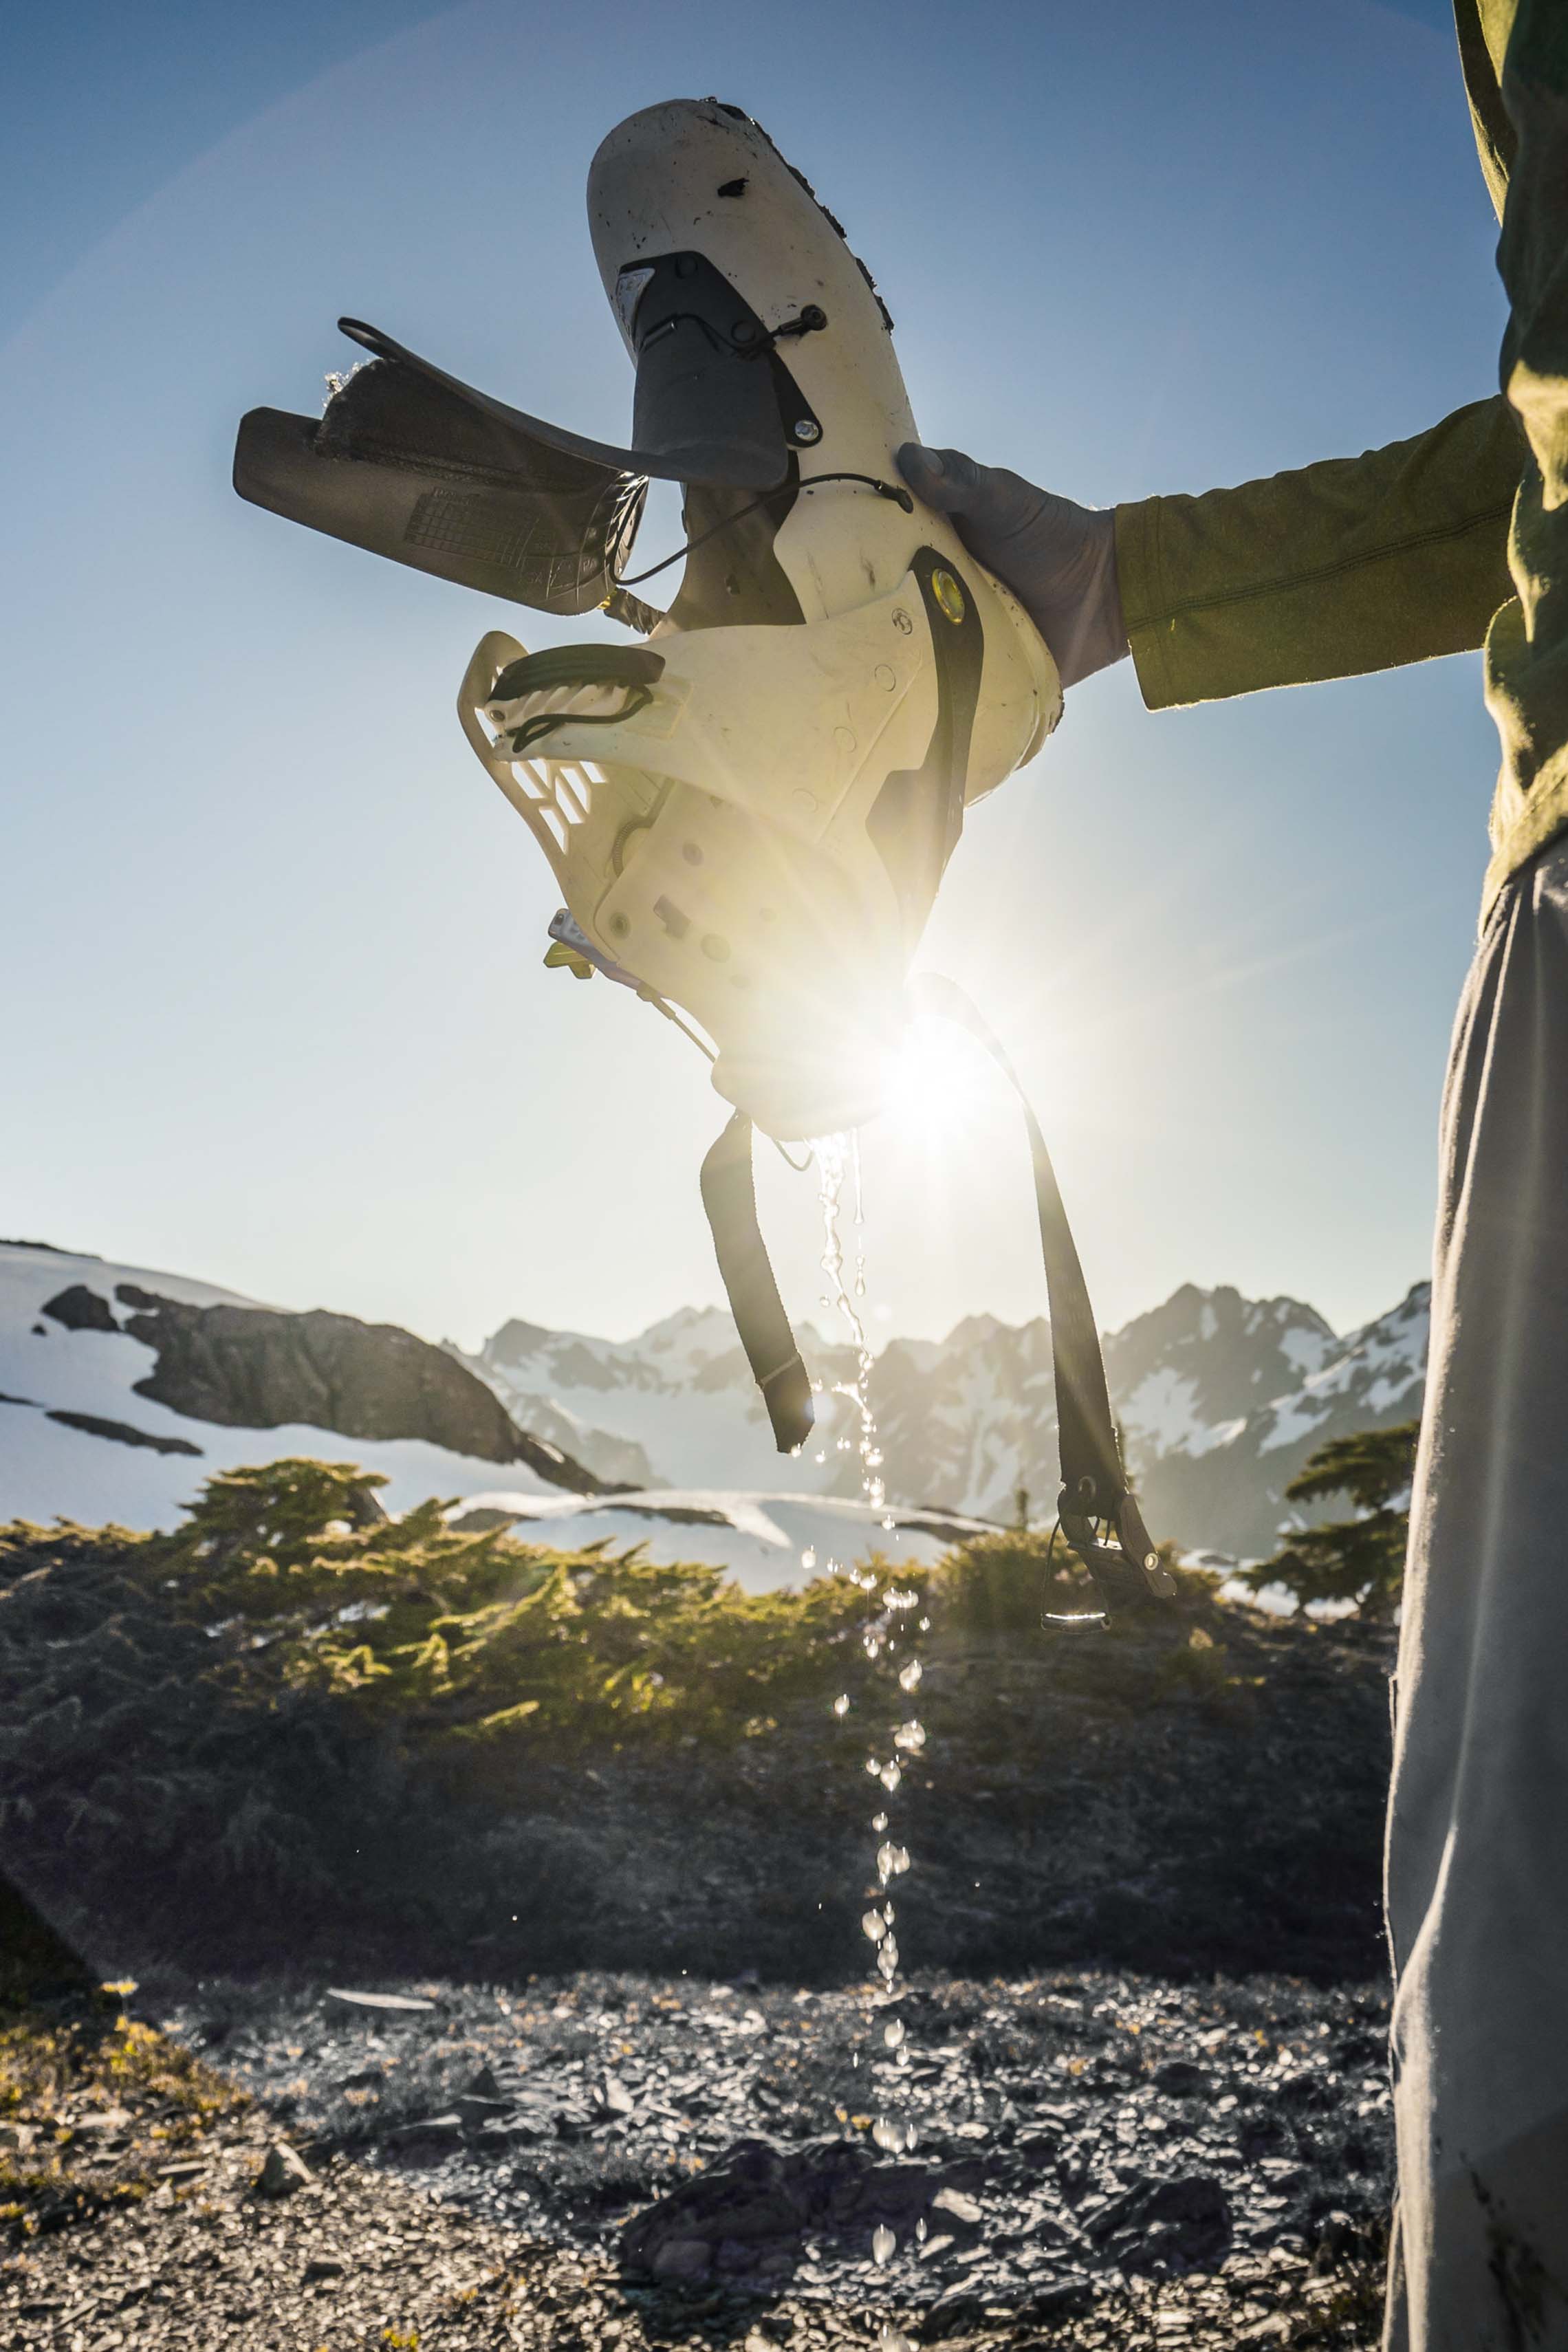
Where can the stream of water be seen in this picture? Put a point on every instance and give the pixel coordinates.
(890, 1639)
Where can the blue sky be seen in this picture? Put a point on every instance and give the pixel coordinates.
(272, 948)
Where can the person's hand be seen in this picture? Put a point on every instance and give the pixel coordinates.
(1058, 558)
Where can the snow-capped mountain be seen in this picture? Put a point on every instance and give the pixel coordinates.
(1220, 1398)
(675, 1407)
(121, 1390)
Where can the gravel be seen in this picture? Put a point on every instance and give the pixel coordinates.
(622, 2160)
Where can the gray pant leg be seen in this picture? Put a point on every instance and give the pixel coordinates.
(1477, 1830)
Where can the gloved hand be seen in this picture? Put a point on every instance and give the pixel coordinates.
(1058, 558)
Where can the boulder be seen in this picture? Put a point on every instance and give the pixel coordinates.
(1166, 2228)
(751, 2211)
(284, 2171)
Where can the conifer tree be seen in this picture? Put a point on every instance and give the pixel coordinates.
(1361, 1559)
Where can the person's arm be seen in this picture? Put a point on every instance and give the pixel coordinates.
(1527, 651)
(1359, 563)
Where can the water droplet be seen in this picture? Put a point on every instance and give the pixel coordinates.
(808, 1557)
(893, 2033)
(893, 2339)
(911, 1736)
(925, 1624)
(889, 2133)
(892, 1861)
(879, 1822)
(883, 2244)
(841, 1704)
(874, 1768)
(920, 2231)
(874, 1925)
(889, 1777)
(910, 1676)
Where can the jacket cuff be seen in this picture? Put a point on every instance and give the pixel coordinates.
(1150, 640)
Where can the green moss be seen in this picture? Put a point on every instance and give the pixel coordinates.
(55, 2069)
(293, 1725)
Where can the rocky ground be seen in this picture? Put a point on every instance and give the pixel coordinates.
(637, 2102)
(623, 2162)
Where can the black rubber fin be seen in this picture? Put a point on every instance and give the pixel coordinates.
(729, 1195)
(412, 468)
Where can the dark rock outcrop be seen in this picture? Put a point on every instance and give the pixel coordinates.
(121, 1432)
(748, 2216)
(79, 1309)
(254, 1368)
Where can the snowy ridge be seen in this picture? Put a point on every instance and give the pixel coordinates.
(675, 1407)
(764, 1541)
(144, 1462)
(1220, 1399)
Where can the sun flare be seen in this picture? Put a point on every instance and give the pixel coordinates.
(937, 1078)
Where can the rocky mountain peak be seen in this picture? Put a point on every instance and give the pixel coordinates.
(516, 1341)
(1220, 1398)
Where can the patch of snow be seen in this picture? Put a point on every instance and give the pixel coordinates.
(1305, 1350)
(1162, 1410)
(1386, 1392)
(1220, 1433)
(1276, 1599)
(1293, 1417)
(758, 1538)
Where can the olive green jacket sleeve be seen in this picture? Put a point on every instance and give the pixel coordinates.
(1527, 649)
(1359, 563)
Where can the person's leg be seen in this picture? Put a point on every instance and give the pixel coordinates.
(1477, 1837)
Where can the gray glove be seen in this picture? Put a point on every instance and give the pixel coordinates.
(1058, 558)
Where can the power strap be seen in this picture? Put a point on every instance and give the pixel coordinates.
(1094, 1483)
(1096, 1502)
(729, 1197)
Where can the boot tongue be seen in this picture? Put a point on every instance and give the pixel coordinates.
(706, 408)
